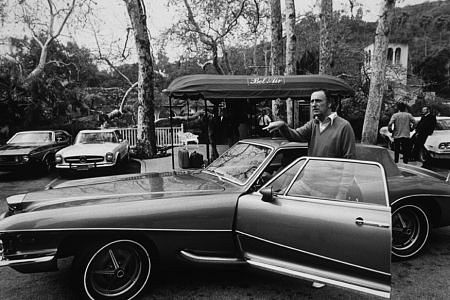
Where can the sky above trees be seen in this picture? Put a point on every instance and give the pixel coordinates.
(110, 21)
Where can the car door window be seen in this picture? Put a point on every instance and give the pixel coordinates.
(281, 160)
(340, 180)
(281, 183)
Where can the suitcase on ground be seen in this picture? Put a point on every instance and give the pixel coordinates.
(183, 158)
(195, 160)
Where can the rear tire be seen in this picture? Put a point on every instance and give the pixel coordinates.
(410, 230)
(118, 269)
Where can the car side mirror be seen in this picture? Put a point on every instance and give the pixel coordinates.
(267, 194)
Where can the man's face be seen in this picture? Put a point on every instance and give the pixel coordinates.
(424, 110)
(319, 105)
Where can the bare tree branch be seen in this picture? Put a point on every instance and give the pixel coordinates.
(105, 59)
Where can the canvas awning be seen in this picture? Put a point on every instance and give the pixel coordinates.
(235, 87)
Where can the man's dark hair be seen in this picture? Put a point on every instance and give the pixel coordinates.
(401, 106)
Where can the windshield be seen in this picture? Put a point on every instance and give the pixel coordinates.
(95, 138)
(31, 138)
(239, 162)
(443, 124)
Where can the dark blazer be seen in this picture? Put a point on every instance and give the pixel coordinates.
(426, 125)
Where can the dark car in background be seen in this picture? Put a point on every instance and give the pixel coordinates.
(33, 149)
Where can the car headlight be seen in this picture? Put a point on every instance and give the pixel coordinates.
(58, 159)
(443, 146)
(22, 158)
(109, 157)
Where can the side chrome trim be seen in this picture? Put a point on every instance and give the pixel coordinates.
(210, 259)
(297, 274)
(119, 229)
(312, 254)
(17, 262)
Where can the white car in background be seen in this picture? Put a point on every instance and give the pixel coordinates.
(93, 149)
(437, 145)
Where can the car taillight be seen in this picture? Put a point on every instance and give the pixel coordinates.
(109, 157)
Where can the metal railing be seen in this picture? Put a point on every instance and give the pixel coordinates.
(162, 135)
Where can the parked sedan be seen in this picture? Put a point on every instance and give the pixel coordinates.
(335, 221)
(32, 149)
(93, 149)
(437, 145)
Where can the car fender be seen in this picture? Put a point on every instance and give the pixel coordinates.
(436, 205)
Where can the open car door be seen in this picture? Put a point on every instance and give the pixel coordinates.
(326, 220)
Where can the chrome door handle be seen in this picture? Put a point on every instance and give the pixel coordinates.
(360, 221)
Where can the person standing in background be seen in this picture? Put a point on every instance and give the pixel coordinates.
(263, 121)
(424, 128)
(403, 123)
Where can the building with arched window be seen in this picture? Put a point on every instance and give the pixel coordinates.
(397, 62)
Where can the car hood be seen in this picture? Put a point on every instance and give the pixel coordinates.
(438, 136)
(17, 149)
(88, 149)
(139, 187)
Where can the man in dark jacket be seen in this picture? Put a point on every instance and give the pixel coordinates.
(425, 127)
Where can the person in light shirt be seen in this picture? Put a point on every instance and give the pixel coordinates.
(403, 123)
(327, 134)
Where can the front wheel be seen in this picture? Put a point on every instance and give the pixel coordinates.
(119, 269)
(424, 155)
(410, 231)
(48, 163)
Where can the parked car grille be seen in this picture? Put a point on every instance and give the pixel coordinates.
(82, 159)
(8, 158)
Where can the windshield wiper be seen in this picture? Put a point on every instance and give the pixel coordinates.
(218, 174)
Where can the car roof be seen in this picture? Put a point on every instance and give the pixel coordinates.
(36, 131)
(274, 142)
(97, 130)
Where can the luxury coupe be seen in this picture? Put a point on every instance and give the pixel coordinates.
(261, 204)
(33, 149)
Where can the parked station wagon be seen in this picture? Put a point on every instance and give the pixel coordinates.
(261, 204)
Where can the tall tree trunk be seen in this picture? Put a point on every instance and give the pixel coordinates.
(291, 43)
(146, 116)
(255, 55)
(276, 51)
(277, 38)
(325, 58)
(377, 80)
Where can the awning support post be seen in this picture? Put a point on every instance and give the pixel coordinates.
(207, 131)
(171, 132)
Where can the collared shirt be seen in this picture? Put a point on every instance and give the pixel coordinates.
(328, 120)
